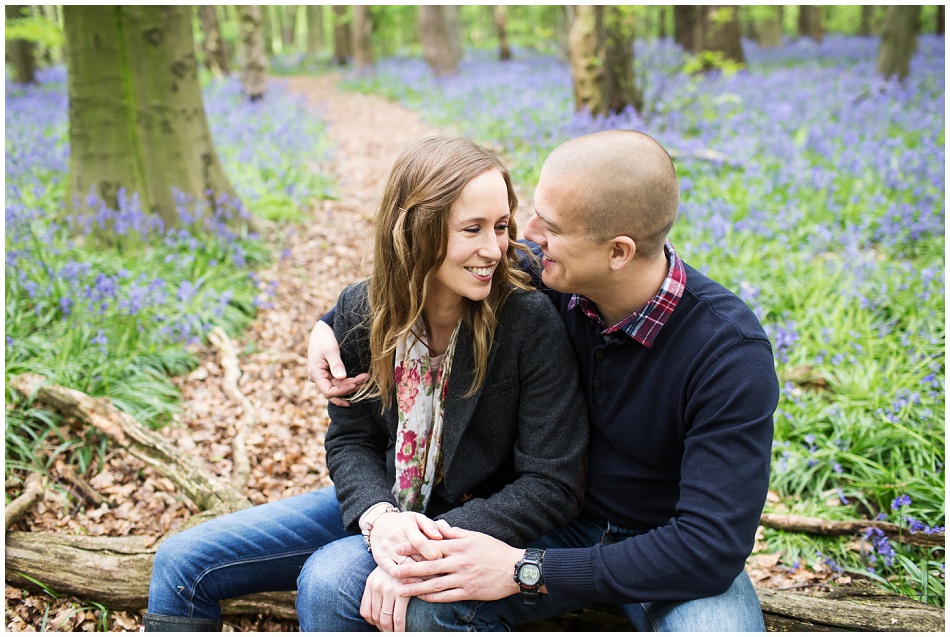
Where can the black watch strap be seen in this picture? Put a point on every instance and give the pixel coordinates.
(529, 576)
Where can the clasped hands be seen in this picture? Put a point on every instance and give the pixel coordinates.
(416, 557)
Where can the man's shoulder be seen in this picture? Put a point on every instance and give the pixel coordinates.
(716, 306)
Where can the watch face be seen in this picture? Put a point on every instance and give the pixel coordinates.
(529, 574)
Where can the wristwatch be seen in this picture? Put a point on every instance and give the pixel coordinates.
(528, 575)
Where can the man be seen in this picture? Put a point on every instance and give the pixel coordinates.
(681, 388)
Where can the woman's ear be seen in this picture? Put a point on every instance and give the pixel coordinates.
(622, 251)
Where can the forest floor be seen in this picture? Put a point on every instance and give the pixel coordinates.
(285, 448)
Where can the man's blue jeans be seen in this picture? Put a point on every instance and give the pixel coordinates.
(736, 610)
(296, 543)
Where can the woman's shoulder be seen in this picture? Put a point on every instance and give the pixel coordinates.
(528, 306)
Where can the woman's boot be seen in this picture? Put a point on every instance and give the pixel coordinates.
(169, 623)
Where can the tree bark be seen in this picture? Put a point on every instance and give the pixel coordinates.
(454, 31)
(817, 526)
(601, 46)
(116, 572)
(21, 54)
(769, 31)
(941, 20)
(661, 27)
(136, 116)
(436, 44)
(688, 23)
(500, 15)
(342, 44)
(362, 45)
(267, 26)
(809, 22)
(201, 487)
(865, 27)
(898, 40)
(253, 58)
(314, 29)
(288, 27)
(722, 33)
(216, 57)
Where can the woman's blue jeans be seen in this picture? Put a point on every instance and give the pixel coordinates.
(736, 610)
(297, 543)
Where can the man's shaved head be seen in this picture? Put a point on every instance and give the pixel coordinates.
(625, 184)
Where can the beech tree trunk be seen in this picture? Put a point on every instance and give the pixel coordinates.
(722, 32)
(136, 117)
(601, 45)
(769, 32)
(21, 54)
(865, 28)
(809, 22)
(362, 45)
(941, 20)
(215, 54)
(436, 42)
(252, 56)
(688, 23)
(342, 40)
(267, 26)
(314, 29)
(288, 26)
(453, 30)
(500, 15)
(898, 40)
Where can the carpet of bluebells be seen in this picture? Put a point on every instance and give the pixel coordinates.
(117, 321)
(815, 190)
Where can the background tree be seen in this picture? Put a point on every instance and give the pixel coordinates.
(453, 30)
(721, 33)
(898, 40)
(500, 16)
(267, 27)
(136, 117)
(940, 19)
(436, 45)
(809, 22)
(865, 26)
(215, 54)
(288, 26)
(688, 23)
(769, 26)
(342, 40)
(314, 29)
(362, 29)
(601, 45)
(252, 57)
(21, 53)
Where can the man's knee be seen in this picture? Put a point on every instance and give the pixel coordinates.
(736, 610)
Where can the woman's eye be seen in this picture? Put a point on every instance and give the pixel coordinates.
(472, 230)
(501, 227)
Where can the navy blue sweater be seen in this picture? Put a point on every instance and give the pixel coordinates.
(680, 447)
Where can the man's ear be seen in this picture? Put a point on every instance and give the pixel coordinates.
(622, 251)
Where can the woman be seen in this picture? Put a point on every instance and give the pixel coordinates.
(471, 416)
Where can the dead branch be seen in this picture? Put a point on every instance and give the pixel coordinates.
(200, 486)
(232, 372)
(79, 487)
(25, 501)
(817, 526)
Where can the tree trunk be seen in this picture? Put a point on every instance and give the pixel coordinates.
(252, 57)
(865, 28)
(661, 31)
(436, 44)
(454, 31)
(314, 29)
(898, 40)
(216, 58)
(342, 44)
(602, 60)
(688, 21)
(362, 46)
(21, 54)
(136, 116)
(770, 31)
(722, 34)
(288, 27)
(809, 22)
(941, 19)
(267, 26)
(500, 15)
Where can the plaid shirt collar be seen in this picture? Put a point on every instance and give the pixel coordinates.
(644, 324)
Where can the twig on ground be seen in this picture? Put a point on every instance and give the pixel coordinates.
(232, 372)
(24, 502)
(817, 526)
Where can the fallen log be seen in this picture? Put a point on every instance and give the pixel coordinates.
(24, 502)
(116, 572)
(817, 526)
(200, 486)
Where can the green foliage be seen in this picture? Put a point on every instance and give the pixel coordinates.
(36, 29)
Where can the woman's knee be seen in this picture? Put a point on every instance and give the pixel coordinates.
(177, 559)
(330, 586)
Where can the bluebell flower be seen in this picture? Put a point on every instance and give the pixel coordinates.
(903, 500)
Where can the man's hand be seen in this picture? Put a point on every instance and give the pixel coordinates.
(406, 529)
(325, 367)
(473, 566)
(381, 605)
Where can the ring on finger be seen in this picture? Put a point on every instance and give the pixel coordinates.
(385, 613)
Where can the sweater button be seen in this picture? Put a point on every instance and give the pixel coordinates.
(596, 382)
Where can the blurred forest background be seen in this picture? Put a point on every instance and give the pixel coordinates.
(170, 170)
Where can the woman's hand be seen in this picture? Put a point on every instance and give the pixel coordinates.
(381, 605)
(325, 367)
(408, 528)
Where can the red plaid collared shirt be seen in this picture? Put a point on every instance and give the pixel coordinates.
(644, 324)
